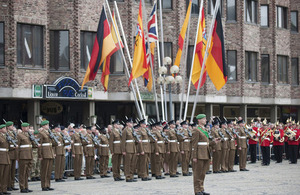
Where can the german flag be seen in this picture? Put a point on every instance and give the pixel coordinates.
(103, 46)
(215, 64)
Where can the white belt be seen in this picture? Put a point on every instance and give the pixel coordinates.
(104, 145)
(3, 150)
(187, 140)
(243, 137)
(90, 145)
(77, 144)
(47, 144)
(59, 144)
(268, 138)
(173, 141)
(145, 141)
(202, 143)
(11, 146)
(66, 141)
(117, 142)
(160, 142)
(26, 146)
(225, 139)
(129, 141)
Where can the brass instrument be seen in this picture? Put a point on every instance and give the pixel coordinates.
(276, 135)
(290, 134)
(251, 133)
(265, 135)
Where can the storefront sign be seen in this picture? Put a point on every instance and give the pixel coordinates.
(51, 108)
(147, 96)
(66, 87)
(37, 91)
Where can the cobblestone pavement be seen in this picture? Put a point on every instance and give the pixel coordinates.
(283, 178)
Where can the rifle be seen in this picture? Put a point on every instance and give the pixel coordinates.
(10, 140)
(150, 134)
(66, 138)
(33, 139)
(236, 133)
(52, 136)
(190, 133)
(83, 138)
(164, 136)
(95, 140)
(178, 133)
(134, 134)
(229, 133)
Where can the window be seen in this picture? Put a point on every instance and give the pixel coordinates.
(264, 13)
(282, 69)
(1, 44)
(30, 46)
(195, 6)
(117, 63)
(211, 6)
(116, 0)
(189, 60)
(251, 66)
(294, 21)
(281, 17)
(86, 47)
(295, 71)
(231, 10)
(138, 1)
(168, 52)
(251, 11)
(265, 68)
(166, 4)
(231, 65)
(59, 50)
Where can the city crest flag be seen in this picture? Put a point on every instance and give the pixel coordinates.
(104, 44)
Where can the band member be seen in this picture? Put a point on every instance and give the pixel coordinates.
(59, 155)
(185, 149)
(278, 143)
(200, 154)
(4, 160)
(253, 143)
(115, 149)
(25, 156)
(129, 150)
(89, 153)
(103, 152)
(46, 155)
(159, 150)
(242, 145)
(265, 140)
(12, 155)
(293, 140)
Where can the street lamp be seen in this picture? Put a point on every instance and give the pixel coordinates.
(169, 79)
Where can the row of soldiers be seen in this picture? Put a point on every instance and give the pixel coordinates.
(138, 145)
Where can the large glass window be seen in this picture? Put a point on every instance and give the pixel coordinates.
(282, 69)
(211, 6)
(295, 71)
(30, 46)
(166, 4)
(1, 44)
(281, 17)
(117, 63)
(231, 65)
(265, 68)
(251, 66)
(251, 11)
(189, 60)
(87, 40)
(264, 13)
(195, 6)
(294, 21)
(168, 51)
(59, 50)
(231, 10)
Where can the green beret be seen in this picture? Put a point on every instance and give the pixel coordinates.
(9, 123)
(36, 132)
(200, 116)
(45, 122)
(25, 124)
(2, 126)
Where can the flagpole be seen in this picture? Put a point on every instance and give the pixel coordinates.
(129, 57)
(205, 55)
(159, 65)
(191, 71)
(184, 66)
(125, 63)
(163, 55)
(151, 63)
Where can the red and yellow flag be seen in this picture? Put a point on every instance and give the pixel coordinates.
(106, 67)
(103, 46)
(199, 53)
(139, 65)
(215, 64)
(182, 35)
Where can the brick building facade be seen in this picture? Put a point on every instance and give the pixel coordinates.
(42, 41)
